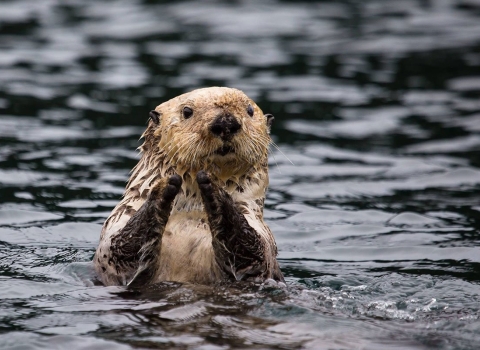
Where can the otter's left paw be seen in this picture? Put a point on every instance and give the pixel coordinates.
(207, 189)
(203, 178)
(205, 183)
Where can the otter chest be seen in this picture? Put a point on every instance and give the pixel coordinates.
(186, 250)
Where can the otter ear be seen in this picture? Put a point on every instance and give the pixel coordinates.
(270, 119)
(155, 116)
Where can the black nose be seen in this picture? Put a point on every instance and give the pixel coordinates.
(225, 126)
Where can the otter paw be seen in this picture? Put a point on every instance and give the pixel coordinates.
(206, 187)
(166, 189)
(173, 187)
(203, 178)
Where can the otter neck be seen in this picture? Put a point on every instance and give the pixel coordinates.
(234, 177)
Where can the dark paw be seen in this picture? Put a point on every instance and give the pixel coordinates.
(206, 187)
(173, 187)
(175, 180)
(202, 178)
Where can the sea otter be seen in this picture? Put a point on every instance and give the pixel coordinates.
(192, 210)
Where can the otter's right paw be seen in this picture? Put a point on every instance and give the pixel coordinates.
(166, 189)
(173, 187)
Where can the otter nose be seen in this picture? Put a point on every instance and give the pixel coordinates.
(225, 126)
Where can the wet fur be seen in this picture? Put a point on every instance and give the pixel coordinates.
(189, 214)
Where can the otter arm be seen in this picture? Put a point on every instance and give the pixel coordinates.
(135, 250)
(239, 249)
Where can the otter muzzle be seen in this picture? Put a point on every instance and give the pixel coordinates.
(225, 126)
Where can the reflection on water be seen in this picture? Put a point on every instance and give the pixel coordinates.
(376, 104)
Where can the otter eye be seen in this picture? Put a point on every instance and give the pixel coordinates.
(250, 110)
(187, 112)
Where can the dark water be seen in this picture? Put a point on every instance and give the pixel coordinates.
(377, 104)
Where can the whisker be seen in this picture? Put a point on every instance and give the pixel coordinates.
(275, 160)
(279, 150)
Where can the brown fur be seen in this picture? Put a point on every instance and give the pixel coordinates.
(176, 145)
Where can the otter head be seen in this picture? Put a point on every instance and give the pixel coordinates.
(218, 129)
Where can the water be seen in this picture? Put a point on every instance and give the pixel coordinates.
(377, 222)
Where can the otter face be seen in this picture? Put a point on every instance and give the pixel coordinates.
(216, 129)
